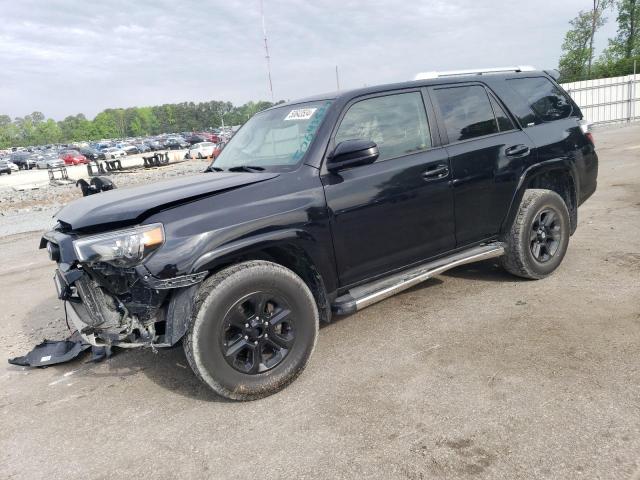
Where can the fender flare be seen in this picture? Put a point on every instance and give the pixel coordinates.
(564, 165)
(211, 259)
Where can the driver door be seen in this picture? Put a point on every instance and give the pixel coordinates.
(399, 209)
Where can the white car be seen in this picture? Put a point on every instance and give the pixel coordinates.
(13, 166)
(201, 150)
(112, 153)
(49, 162)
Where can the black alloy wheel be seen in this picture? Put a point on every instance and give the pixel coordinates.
(546, 234)
(257, 333)
(538, 238)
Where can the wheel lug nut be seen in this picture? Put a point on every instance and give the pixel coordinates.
(246, 337)
(246, 325)
(255, 343)
(266, 335)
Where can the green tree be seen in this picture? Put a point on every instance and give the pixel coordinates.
(626, 43)
(578, 52)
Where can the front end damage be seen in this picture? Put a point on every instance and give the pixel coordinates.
(115, 305)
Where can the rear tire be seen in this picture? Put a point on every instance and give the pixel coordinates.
(254, 327)
(539, 236)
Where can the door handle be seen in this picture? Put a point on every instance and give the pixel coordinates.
(435, 172)
(517, 151)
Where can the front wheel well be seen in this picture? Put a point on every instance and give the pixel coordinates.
(295, 259)
(561, 182)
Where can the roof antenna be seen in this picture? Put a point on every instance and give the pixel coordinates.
(266, 49)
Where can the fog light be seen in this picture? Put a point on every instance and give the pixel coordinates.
(54, 251)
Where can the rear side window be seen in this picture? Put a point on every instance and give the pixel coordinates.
(397, 123)
(466, 112)
(545, 99)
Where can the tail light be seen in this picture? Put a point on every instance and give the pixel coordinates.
(585, 127)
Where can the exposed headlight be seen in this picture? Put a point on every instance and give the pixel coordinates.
(122, 248)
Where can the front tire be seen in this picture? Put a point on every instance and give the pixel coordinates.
(539, 236)
(254, 327)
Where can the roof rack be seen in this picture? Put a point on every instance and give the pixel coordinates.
(479, 71)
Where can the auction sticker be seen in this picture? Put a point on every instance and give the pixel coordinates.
(300, 114)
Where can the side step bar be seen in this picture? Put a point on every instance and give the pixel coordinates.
(364, 295)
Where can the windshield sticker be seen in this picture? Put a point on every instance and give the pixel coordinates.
(301, 114)
(310, 132)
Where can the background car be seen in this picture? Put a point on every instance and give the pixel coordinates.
(112, 153)
(50, 161)
(92, 153)
(195, 138)
(4, 166)
(23, 160)
(73, 157)
(175, 143)
(130, 149)
(142, 147)
(153, 145)
(201, 150)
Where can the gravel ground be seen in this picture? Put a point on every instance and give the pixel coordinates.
(32, 210)
(473, 375)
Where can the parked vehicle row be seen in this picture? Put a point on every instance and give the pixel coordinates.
(199, 145)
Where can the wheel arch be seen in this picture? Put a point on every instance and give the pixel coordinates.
(292, 249)
(558, 175)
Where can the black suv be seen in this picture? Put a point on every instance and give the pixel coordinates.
(321, 207)
(24, 160)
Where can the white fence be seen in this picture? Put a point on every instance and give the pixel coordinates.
(607, 100)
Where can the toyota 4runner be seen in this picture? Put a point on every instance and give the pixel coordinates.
(321, 207)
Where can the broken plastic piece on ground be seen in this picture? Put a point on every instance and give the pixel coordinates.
(52, 352)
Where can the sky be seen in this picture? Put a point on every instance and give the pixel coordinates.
(82, 56)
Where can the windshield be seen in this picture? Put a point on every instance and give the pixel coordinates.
(274, 140)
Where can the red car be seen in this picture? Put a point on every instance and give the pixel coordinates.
(210, 137)
(73, 157)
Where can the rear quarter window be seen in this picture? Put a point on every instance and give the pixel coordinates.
(546, 100)
(466, 112)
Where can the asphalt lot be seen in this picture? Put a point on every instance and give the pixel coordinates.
(474, 374)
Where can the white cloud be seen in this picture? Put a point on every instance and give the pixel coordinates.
(64, 57)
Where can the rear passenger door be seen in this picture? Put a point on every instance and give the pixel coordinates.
(398, 210)
(487, 153)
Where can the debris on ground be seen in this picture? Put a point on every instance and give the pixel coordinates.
(53, 352)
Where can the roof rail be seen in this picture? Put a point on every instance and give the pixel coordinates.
(479, 71)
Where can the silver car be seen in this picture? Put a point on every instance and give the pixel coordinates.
(49, 162)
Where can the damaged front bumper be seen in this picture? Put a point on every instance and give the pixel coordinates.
(125, 307)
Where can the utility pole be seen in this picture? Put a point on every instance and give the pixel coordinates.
(266, 49)
(337, 80)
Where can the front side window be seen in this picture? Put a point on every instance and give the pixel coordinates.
(275, 139)
(466, 112)
(544, 98)
(396, 123)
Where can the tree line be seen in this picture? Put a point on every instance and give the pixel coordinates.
(578, 60)
(35, 129)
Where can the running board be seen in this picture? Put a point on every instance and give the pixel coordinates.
(362, 296)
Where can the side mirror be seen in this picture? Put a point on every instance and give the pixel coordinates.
(352, 153)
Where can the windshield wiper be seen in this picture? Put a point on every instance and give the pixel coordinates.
(245, 168)
(211, 168)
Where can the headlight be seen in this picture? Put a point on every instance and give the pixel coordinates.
(122, 248)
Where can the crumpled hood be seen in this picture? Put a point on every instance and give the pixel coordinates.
(130, 205)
